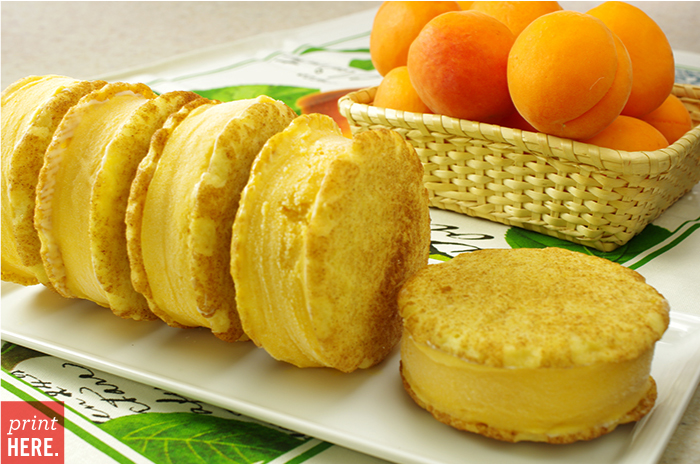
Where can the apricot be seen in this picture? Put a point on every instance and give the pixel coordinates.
(515, 15)
(672, 119)
(629, 134)
(651, 54)
(569, 75)
(395, 26)
(396, 92)
(458, 66)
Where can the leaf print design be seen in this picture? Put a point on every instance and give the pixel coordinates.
(191, 438)
(649, 237)
(328, 49)
(365, 65)
(287, 94)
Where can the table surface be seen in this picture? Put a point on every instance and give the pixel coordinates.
(87, 39)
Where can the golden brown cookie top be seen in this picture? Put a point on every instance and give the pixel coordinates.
(533, 308)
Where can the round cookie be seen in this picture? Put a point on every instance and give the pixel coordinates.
(327, 231)
(531, 344)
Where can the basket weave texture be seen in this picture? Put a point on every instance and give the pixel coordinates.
(578, 192)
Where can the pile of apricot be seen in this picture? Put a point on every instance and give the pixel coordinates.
(603, 77)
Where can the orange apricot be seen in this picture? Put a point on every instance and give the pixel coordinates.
(395, 26)
(629, 134)
(651, 54)
(569, 75)
(458, 66)
(396, 92)
(607, 107)
(672, 119)
(515, 15)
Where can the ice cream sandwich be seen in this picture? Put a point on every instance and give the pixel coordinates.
(32, 109)
(327, 231)
(182, 205)
(531, 344)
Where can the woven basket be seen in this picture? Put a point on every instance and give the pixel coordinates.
(578, 192)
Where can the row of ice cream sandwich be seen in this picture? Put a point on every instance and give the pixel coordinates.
(241, 216)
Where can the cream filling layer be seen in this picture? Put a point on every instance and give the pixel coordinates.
(537, 401)
(282, 226)
(91, 131)
(166, 235)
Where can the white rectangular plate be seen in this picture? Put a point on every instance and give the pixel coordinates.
(367, 411)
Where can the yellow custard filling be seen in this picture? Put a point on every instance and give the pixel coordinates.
(87, 133)
(535, 403)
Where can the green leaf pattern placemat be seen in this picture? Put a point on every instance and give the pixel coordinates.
(161, 426)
